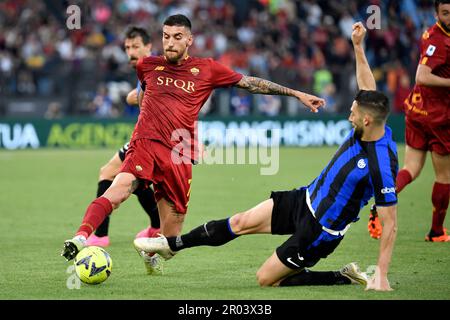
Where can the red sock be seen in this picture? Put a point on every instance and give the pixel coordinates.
(440, 198)
(97, 211)
(403, 179)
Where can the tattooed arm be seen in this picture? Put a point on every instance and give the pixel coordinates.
(134, 186)
(262, 86)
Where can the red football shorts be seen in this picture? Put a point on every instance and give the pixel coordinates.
(151, 161)
(427, 137)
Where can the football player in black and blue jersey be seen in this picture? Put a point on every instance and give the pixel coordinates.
(318, 215)
(137, 45)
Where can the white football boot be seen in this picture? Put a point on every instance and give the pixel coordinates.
(352, 272)
(158, 245)
(153, 263)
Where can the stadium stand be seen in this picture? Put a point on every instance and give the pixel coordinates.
(301, 44)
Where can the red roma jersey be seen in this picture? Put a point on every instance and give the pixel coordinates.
(432, 104)
(174, 95)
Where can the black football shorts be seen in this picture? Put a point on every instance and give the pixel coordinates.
(122, 151)
(309, 242)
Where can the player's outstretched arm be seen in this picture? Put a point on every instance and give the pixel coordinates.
(388, 217)
(364, 76)
(262, 86)
(425, 77)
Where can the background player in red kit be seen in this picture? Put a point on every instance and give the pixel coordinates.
(427, 110)
(175, 87)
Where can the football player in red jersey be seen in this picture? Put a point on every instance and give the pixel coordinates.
(137, 44)
(175, 87)
(427, 110)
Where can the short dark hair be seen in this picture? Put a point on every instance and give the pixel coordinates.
(438, 2)
(178, 20)
(133, 32)
(375, 102)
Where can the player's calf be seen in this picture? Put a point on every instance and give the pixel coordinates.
(374, 226)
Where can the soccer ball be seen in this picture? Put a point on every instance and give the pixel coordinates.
(93, 265)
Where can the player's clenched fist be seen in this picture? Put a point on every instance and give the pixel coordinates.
(358, 34)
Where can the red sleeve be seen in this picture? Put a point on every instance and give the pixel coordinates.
(222, 76)
(139, 71)
(434, 52)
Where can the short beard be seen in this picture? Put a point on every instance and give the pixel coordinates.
(358, 133)
(174, 59)
(447, 29)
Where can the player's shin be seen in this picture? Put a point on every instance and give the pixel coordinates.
(315, 278)
(102, 229)
(147, 200)
(440, 199)
(97, 211)
(212, 233)
(403, 179)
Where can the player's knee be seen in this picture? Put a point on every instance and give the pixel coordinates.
(263, 279)
(238, 223)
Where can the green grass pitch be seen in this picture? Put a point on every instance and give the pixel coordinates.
(43, 196)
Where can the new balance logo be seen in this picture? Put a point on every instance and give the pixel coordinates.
(387, 190)
(159, 68)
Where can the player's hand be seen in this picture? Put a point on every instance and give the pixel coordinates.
(312, 102)
(358, 34)
(378, 283)
(132, 98)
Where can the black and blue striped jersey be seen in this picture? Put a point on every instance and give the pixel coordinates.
(358, 171)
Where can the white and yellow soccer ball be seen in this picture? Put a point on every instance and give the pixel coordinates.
(93, 265)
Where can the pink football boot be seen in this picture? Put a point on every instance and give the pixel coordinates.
(93, 240)
(149, 232)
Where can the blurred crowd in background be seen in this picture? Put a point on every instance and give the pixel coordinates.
(305, 45)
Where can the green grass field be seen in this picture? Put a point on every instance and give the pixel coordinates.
(43, 195)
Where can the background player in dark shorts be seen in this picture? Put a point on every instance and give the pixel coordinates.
(318, 216)
(427, 111)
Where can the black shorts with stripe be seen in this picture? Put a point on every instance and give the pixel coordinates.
(123, 151)
(309, 242)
